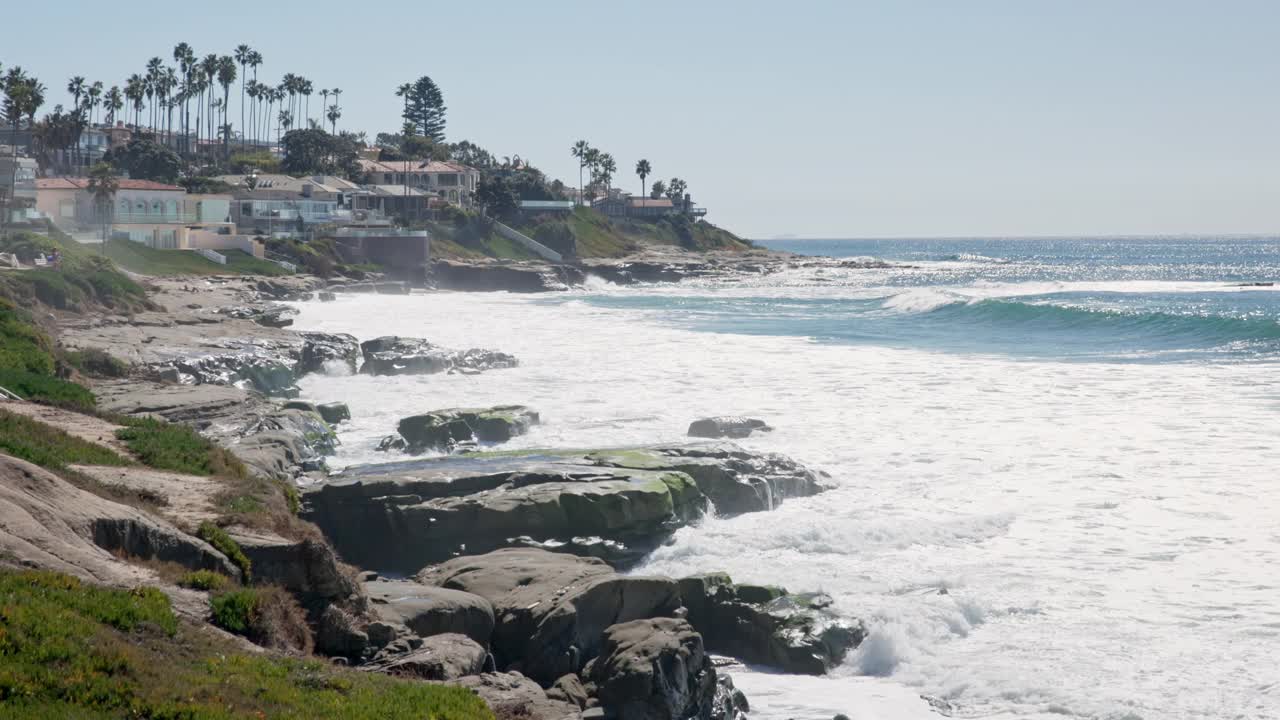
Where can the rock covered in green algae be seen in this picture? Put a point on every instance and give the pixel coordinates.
(617, 505)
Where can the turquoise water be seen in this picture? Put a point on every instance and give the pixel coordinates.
(1118, 300)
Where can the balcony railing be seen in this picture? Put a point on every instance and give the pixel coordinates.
(165, 218)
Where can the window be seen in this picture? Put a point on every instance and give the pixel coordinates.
(124, 207)
(173, 209)
(140, 207)
(157, 208)
(246, 209)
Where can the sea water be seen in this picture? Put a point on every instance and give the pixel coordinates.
(1057, 459)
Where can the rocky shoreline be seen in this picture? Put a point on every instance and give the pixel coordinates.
(501, 571)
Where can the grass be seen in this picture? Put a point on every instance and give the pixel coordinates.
(72, 650)
(48, 390)
(177, 447)
(222, 542)
(23, 347)
(84, 277)
(48, 446)
(139, 258)
(206, 580)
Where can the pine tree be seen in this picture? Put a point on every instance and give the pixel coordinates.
(424, 108)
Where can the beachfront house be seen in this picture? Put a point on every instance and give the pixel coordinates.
(17, 188)
(271, 203)
(452, 182)
(154, 214)
(619, 204)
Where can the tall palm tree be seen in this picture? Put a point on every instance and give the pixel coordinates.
(114, 104)
(76, 87)
(335, 112)
(154, 80)
(133, 91)
(643, 170)
(94, 100)
(607, 168)
(103, 186)
(186, 58)
(403, 92)
(226, 76)
(241, 56)
(306, 88)
(168, 83)
(209, 67)
(324, 107)
(255, 59)
(579, 150)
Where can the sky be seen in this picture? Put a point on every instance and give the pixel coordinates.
(899, 118)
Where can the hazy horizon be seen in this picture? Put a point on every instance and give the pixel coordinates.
(831, 120)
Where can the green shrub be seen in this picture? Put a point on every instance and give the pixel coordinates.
(177, 447)
(23, 347)
(222, 542)
(97, 362)
(48, 390)
(49, 447)
(235, 611)
(206, 580)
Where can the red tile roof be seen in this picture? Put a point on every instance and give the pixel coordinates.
(650, 202)
(83, 184)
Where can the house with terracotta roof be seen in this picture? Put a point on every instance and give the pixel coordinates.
(155, 214)
(624, 205)
(452, 182)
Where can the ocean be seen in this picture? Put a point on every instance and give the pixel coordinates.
(1057, 458)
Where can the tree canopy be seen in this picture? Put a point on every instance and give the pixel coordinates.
(145, 159)
(497, 197)
(316, 152)
(424, 108)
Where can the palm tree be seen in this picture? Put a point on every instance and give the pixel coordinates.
(255, 59)
(209, 66)
(186, 59)
(154, 80)
(403, 92)
(306, 88)
(579, 150)
(114, 104)
(324, 93)
(643, 170)
(103, 185)
(241, 55)
(226, 76)
(168, 83)
(94, 100)
(606, 167)
(133, 91)
(75, 86)
(335, 112)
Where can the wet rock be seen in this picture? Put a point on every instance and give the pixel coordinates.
(727, 427)
(552, 608)
(795, 633)
(393, 355)
(334, 413)
(654, 669)
(737, 481)
(729, 703)
(326, 296)
(382, 634)
(270, 373)
(445, 429)
(505, 276)
(429, 610)
(278, 443)
(617, 505)
(391, 442)
(401, 516)
(300, 405)
(276, 316)
(392, 287)
(327, 349)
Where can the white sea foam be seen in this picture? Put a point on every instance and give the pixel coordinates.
(1105, 532)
